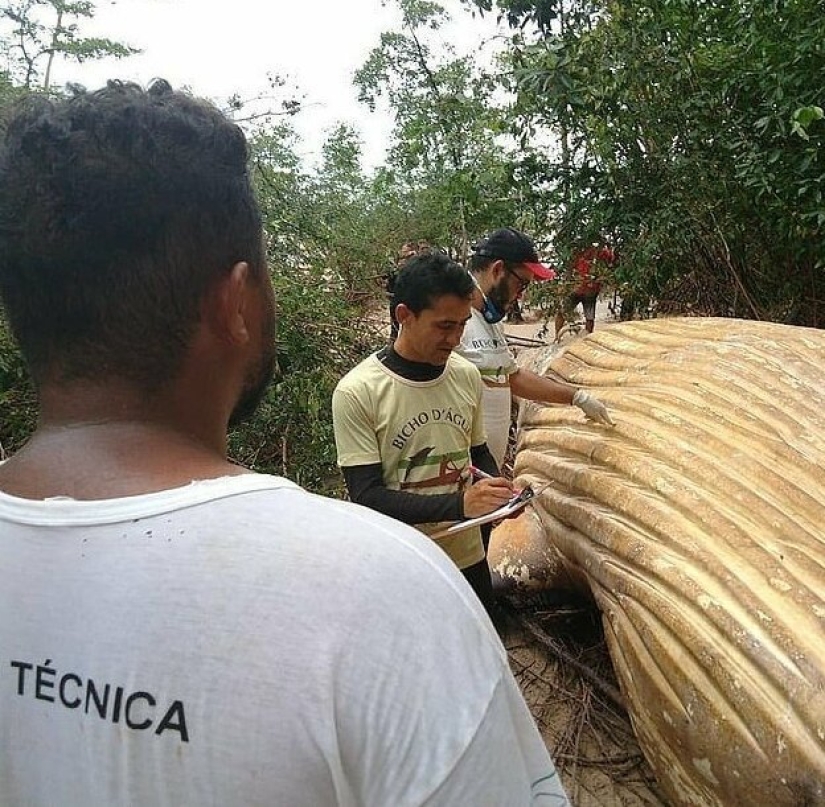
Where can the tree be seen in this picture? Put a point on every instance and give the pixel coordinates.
(8, 94)
(450, 148)
(326, 250)
(694, 144)
(41, 30)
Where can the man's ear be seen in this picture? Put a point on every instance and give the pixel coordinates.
(229, 305)
(403, 313)
(496, 269)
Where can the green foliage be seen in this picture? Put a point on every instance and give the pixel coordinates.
(449, 155)
(686, 133)
(320, 337)
(546, 15)
(18, 407)
(8, 94)
(330, 239)
(38, 31)
(689, 137)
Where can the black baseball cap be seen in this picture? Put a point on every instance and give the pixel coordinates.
(514, 247)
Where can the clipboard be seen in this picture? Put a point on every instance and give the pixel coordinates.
(516, 503)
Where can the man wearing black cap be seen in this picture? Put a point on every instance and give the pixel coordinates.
(502, 266)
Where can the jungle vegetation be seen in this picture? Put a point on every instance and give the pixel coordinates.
(687, 134)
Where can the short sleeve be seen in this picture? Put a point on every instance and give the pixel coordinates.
(356, 442)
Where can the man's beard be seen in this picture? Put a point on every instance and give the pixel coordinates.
(258, 378)
(499, 295)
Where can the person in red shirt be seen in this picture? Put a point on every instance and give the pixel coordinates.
(589, 284)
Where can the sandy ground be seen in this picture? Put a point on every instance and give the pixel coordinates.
(532, 329)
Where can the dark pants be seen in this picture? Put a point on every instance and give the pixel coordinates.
(478, 575)
(588, 302)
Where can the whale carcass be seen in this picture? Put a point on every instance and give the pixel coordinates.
(698, 526)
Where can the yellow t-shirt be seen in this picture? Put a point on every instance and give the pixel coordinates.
(420, 431)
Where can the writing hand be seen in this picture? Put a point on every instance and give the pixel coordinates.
(486, 495)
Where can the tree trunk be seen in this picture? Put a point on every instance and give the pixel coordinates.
(58, 27)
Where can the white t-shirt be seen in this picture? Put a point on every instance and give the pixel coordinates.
(239, 641)
(485, 346)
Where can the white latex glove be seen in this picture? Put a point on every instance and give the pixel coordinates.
(592, 407)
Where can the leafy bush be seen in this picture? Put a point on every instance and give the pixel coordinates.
(321, 335)
(18, 406)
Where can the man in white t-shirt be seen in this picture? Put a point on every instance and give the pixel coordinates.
(175, 630)
(502, 267)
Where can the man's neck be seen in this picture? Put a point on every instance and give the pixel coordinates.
(402, 349)
(107, 461)
(477, 300)
(95, 443)
(410, 369)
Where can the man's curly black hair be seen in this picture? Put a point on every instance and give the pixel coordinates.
(118, 209)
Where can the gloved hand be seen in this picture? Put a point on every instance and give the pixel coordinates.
(592, 407)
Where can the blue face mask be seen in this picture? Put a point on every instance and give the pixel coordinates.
(490, 311)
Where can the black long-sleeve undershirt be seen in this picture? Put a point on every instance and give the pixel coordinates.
(366, 486)
(365, 483)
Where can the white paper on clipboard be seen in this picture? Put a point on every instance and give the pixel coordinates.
(516, 503)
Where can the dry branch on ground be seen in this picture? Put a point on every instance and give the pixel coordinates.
(559, 657)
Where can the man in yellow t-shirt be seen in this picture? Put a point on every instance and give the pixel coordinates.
(408, 420)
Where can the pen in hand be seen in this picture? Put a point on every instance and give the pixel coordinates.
(477, 473)
(486, 494)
